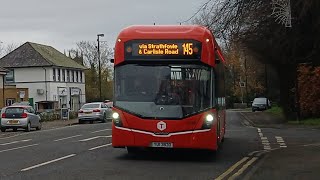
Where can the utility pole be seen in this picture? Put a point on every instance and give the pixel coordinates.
(99, 68)
(246, 80)
(266, 82)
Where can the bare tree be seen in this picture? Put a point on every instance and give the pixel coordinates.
(89, 52)
(6, 49)
(251, 24)
(10, 47)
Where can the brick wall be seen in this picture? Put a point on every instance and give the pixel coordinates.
(13, 93)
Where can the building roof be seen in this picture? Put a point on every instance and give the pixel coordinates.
(3, 71)
(37, 55)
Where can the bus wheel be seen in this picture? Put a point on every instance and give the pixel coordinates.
(132, 150)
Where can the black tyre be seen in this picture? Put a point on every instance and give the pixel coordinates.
(133, 150)
(91, 122)
(28, 128)
(39, 127)
(80, 121)
(15, 129)
(3, 129)
(104, 118)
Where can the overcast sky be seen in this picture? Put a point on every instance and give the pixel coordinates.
(62, 23)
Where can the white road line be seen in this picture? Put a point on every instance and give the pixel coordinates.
(48, 162)
(101, 130)
(244, 167)
(18, 148)
(98, 147)
(67, 138)
(232, 168)
(14, 142)
(260, 134)
(254, 152)
(281, 142)
(316, 144)
(96, 137)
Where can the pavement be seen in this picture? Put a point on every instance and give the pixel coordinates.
(291, 151)
(264, 119)
(84, 151)
(300, 162)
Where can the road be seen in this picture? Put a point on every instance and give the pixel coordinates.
(85, 152)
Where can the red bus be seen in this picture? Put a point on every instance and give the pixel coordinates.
(169, 89)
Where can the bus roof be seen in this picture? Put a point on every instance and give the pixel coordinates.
(165, 32)
(145, 32)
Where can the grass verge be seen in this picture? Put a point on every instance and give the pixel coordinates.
(308, 122)
(276, 110)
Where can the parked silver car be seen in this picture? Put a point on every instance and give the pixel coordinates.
(260, 104)
(97, 111)
(14, 117)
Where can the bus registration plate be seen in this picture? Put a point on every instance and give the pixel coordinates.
(162, 144)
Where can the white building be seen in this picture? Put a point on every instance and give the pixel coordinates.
(53, 79)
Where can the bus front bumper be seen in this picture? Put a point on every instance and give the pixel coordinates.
(196, 139)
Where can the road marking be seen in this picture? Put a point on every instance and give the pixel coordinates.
(14, 142)
(96, 137)
(260, 134)
(98, 147)
(67, 138)
(244, 167)
(257, 153)
(101, 130)
(48, 162)
(316, 144)
(21, 147)
(281, 142)
(232, 168)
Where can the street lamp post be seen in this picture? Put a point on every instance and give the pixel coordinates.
(100, 91)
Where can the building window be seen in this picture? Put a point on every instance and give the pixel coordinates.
(10, 101)
(80, 76)
(74, 76)
(68, 76)
(54, 74)
(58, 76)
(10, 76)
(71, 76)
(63, 75)
(77, 76)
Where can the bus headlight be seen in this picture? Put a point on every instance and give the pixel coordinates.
(115, 115)
(208, 121)
(209, 118)
(116, 119)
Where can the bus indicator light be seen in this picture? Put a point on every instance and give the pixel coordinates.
(129, 49)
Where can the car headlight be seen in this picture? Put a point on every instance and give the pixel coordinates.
(208, 121)
(116, 119)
